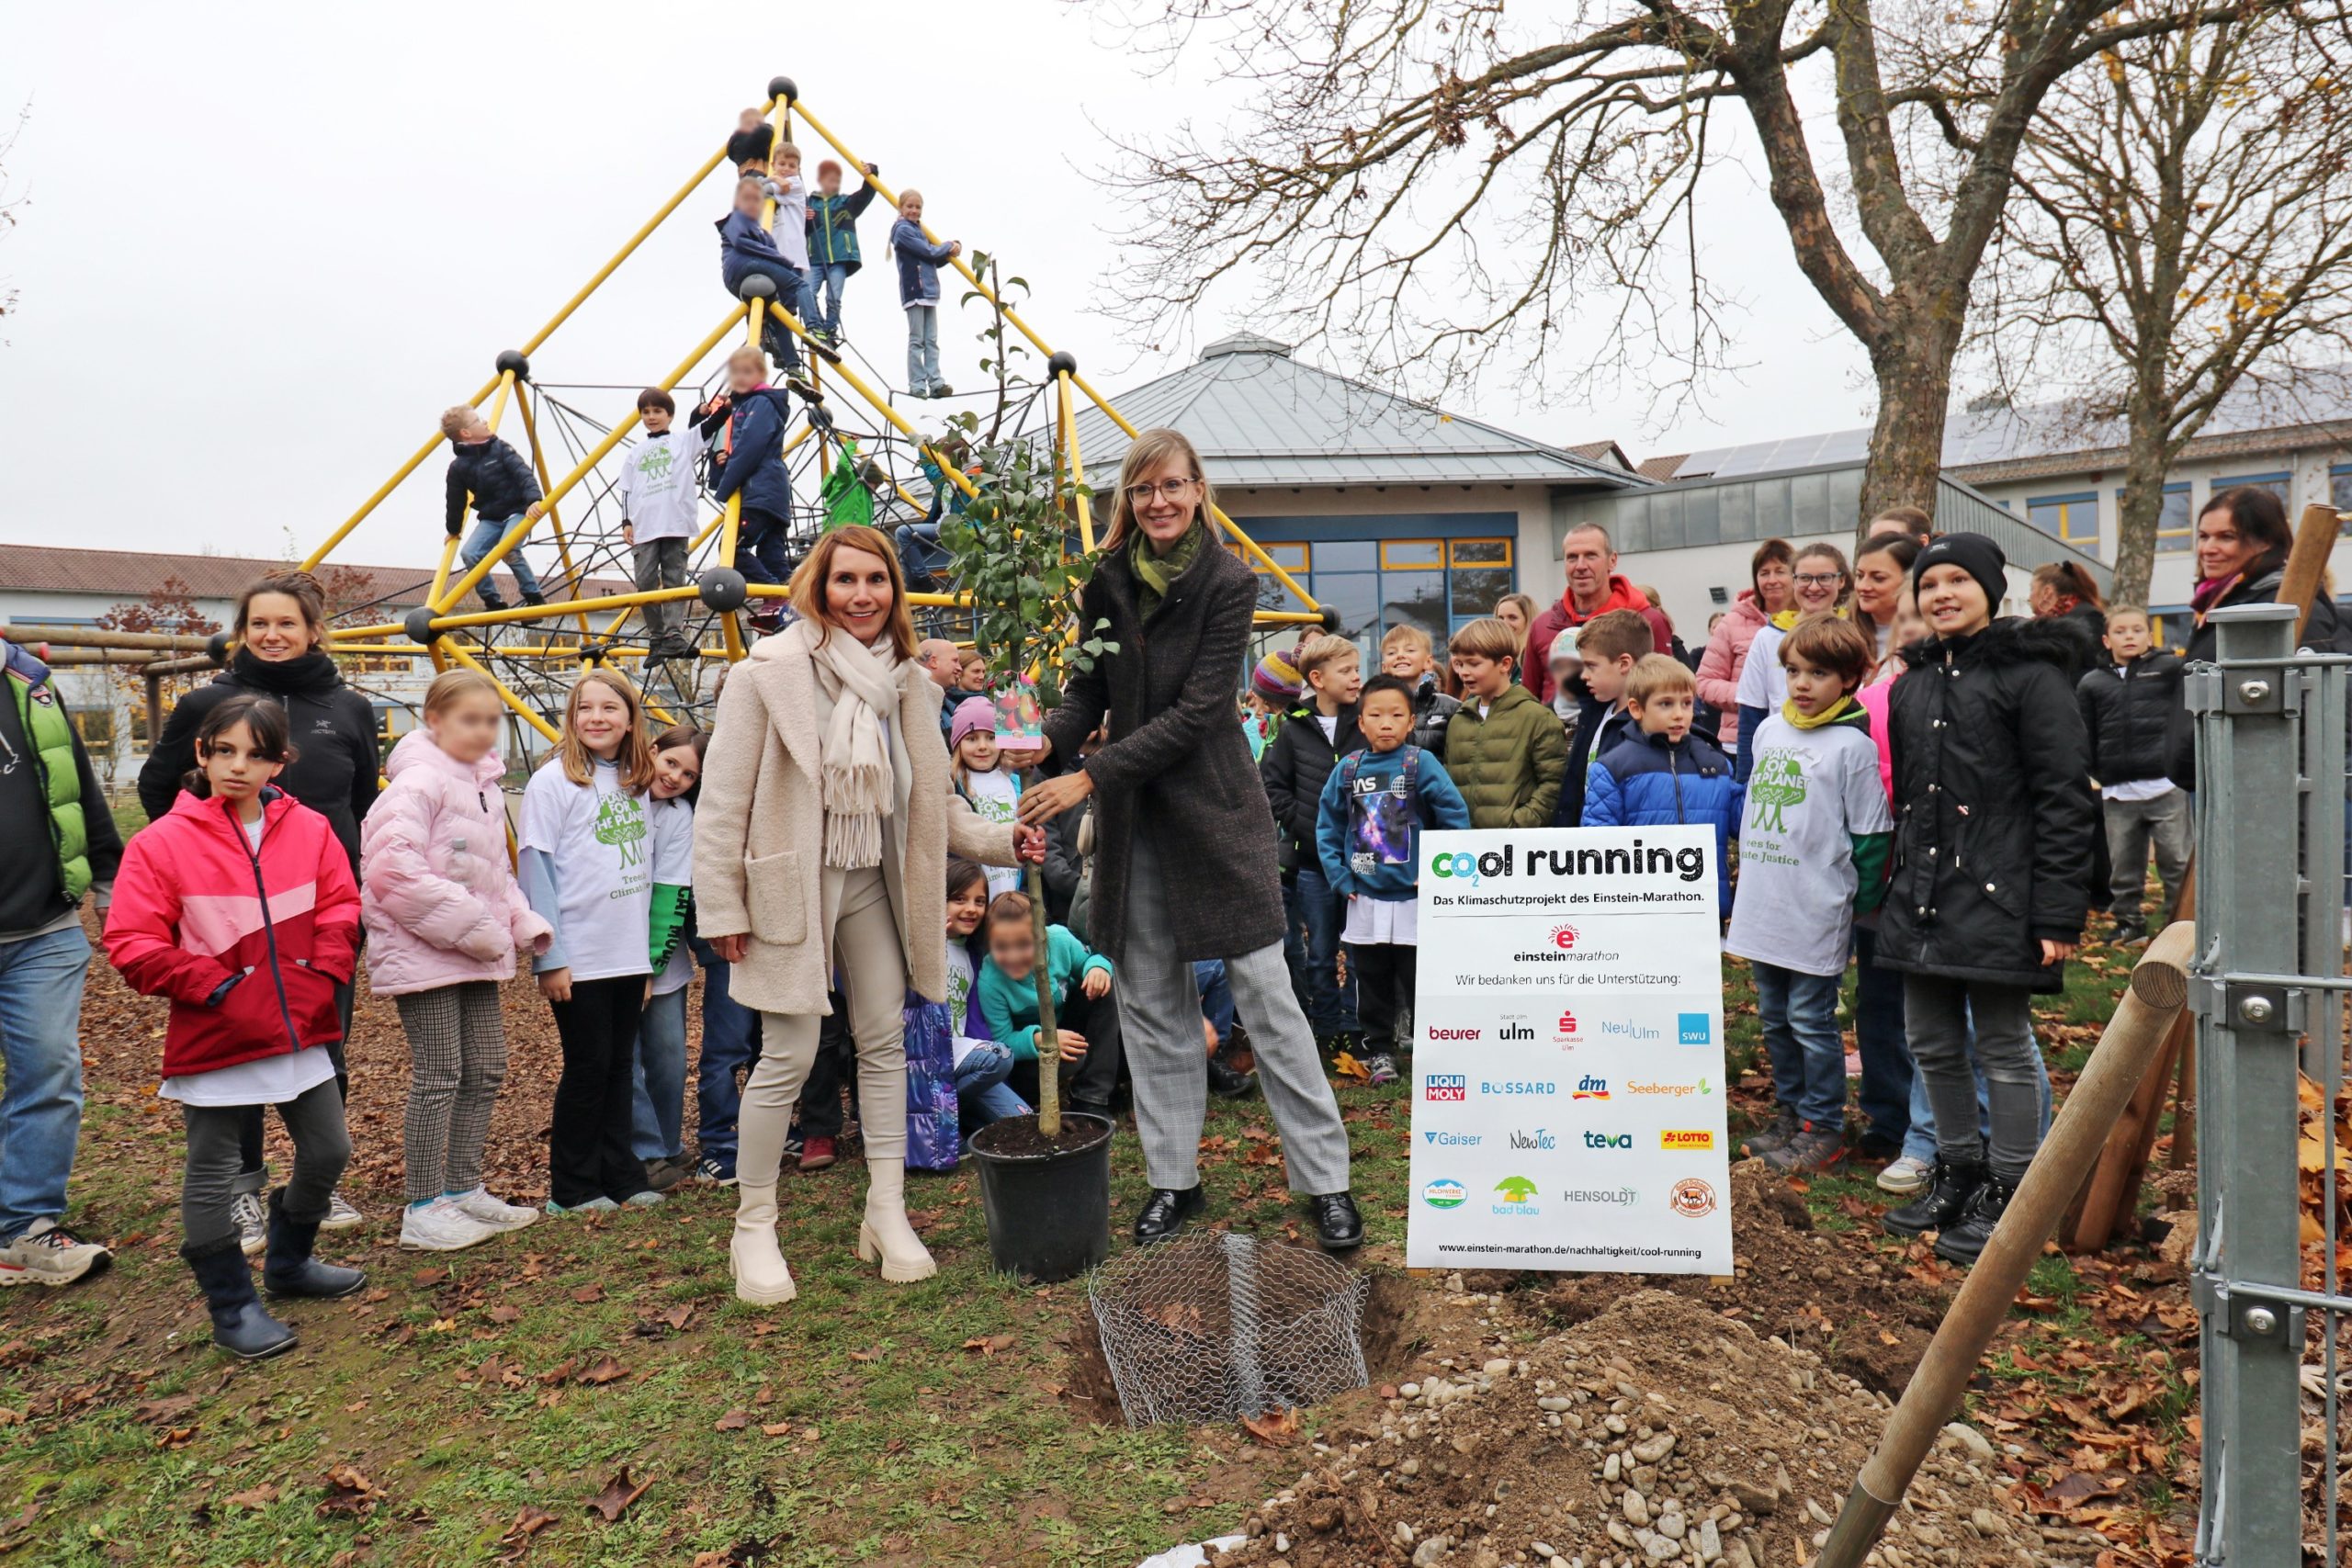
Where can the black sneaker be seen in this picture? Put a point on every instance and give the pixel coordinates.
(1964, 1241)
(535, 601)
(799, 386)
(1950, 1188)
(1226, 1084)
(1338, 1226)
(1784, 1126)
(2129, 933)
(1165, 1212)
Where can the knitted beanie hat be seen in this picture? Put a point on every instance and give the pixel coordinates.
(971, 714)
(1973, 554)
(1277, 679)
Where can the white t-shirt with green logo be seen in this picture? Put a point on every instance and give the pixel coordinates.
(599, 836)
(1809, 792)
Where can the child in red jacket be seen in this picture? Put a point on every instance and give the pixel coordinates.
(239, 906)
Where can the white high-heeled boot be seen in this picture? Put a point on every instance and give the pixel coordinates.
(885, 1232)
(761, 1277)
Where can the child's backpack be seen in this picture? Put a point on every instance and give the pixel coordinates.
(1382, 814)
(933, 1138)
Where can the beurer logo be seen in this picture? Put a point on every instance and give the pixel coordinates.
(1437, 1034)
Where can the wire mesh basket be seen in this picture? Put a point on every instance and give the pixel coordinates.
(1210, 1326)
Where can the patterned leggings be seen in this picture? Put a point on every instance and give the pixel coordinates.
(456, 1050)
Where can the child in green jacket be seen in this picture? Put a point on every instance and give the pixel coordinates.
(1505, 751)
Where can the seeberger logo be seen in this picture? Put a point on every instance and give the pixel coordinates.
(1445, 1087)
(1686, 1140)
(1668, 1090)
(1590, 1088)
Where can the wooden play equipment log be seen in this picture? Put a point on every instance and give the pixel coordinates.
(2111, 1194)
(2126, 1050)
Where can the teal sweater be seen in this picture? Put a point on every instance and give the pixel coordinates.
(1011, 1006)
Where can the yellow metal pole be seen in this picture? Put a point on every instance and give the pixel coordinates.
(530, 345)
(481, 569)
(1077, 468)
(529, 714)
(562, 545)
(440, 581)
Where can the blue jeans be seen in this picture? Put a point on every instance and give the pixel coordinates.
(1808, 1054)
(1887, 1077)
(1919, 1138)
(826, 281)
(487, 532)
(761, 540)
(40, 1101)
(981, 1094)
(1331, 1005)
(923, 347)
(1216, 996)
(731, 1039)
(919, 555)
(775, 336)
(657, 1128)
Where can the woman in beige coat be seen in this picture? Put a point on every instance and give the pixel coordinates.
(820, 845)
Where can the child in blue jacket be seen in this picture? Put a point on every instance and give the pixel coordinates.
(1662, 773)
(919, 261)
(746, 249)
(748, 460)
(1368, 834)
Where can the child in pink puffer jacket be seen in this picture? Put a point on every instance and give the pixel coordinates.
(444, 917)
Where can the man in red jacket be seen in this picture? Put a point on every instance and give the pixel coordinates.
(1594, 588)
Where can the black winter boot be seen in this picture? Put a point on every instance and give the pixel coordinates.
(1950, 1188)
(291, 1270)
(1964, 1241)
(240, 1325)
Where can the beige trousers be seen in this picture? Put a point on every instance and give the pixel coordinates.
(873, 970)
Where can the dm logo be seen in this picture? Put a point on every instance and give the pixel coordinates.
(1590, 1088)
(1563, 937)
(1693, 1029)
(1693, 1199)
(1446, 1086)
(1444, 1193)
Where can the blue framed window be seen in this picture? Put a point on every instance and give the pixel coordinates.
(2074, 518)
(2176, 529)
(2281, 484)
(1437, 584)
(2339, 495)
(2170, 625)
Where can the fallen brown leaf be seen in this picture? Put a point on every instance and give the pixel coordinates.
(618, 1493)
(733, 1421)
(603, 1371)
(1276, 1429)
(589, 1295)
(260, 1496)
(349, 1492)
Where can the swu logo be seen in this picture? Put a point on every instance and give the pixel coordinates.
(1538, 1139)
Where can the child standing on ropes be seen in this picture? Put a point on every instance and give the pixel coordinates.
(749, 461)
(832, 244)
(919, 263)
(239, 907)
(660, 498)
(505, 494)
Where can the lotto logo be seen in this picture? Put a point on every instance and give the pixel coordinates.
(1446, 1086)
(1686, 1140)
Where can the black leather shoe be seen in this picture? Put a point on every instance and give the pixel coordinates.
(1950, 1188)
(1964, 1241)
(1226, 1084)
(1094, 1108)
(1338, 1226)
(1165, 1212)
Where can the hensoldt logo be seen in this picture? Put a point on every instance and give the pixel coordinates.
(1446, 1086)
(1444, 1193)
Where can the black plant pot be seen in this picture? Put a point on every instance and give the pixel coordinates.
(1048, 1209)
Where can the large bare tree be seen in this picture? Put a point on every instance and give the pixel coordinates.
(1437, 184)
(2184, 233)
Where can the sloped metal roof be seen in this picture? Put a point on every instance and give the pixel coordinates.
(1260, 417)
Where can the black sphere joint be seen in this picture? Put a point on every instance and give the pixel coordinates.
(784, 88)
(1330, 619)
(418, 625)
(216, 647)
(1063, 363)
(724, 589)
(593, 655)
(514, 360)
(755, 286)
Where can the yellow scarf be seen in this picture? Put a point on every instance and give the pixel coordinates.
(1829, 714)
(1783, 619)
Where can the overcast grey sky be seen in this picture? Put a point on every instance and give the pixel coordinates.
(265, 244)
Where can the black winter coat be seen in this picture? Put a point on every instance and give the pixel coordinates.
(1431, 709)
(2324, 632)
(496, 475)
(335, 770)
(1177, 765)
(1994, 811)
(1297, 761)
(2129, 713)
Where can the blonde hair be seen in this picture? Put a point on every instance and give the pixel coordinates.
(451, 685)
(1405, 632)
(1321, 648)
(457, 418)
(1526, 603)
(908, 193)
(1658, 675)
(1147, 452)
(782, 151)
(752, 354)
(635, 757)
(808, 583)
(1488, 636)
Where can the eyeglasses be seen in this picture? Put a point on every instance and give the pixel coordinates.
(1819, 578)
(1174, 490)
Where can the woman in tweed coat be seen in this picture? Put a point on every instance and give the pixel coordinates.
(1185, 856)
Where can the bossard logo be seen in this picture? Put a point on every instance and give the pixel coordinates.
(1609, 1140)
(1518, 1196)
(1693, 1029)
(1590, 1088)
(1438, 1033)
(1517, 1085)
(1444, 1193)
(1563, 1029)
(1455, 1140)
(1446, 1086)
(1538, 1139)
(1563, 937)
(1693, 1199)
(1686, 1140)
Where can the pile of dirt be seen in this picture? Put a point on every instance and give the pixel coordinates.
(1656, 1432)
(1884, 1315)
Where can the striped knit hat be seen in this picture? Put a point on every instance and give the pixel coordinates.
(1276, 679)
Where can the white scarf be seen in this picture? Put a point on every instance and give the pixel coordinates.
(857, 781)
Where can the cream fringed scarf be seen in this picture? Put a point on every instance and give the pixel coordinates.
(858, 780)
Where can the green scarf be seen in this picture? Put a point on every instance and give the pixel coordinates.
(1154, 572)
(1829, 714)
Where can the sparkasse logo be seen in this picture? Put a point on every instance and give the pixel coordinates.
(1590, 1088)
(1446, 1086)
(1565, 1032)
(1686, 1140)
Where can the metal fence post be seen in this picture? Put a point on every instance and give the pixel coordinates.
(2250, 805)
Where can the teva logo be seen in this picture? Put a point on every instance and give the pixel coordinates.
(1565, 1032)
(1609, 1140)
(1514, 1031)
(1668, 1090)
(1563, 937)
(1444, 1193)
(1517, 1085)
(1446, 1086)
(1455, 1140)
(1518, 1196)
(1538, 1139)
(1590, 1088)
(1693, 1029)
(1691, 1198)
(1437, 1034)
(1686, 1140)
